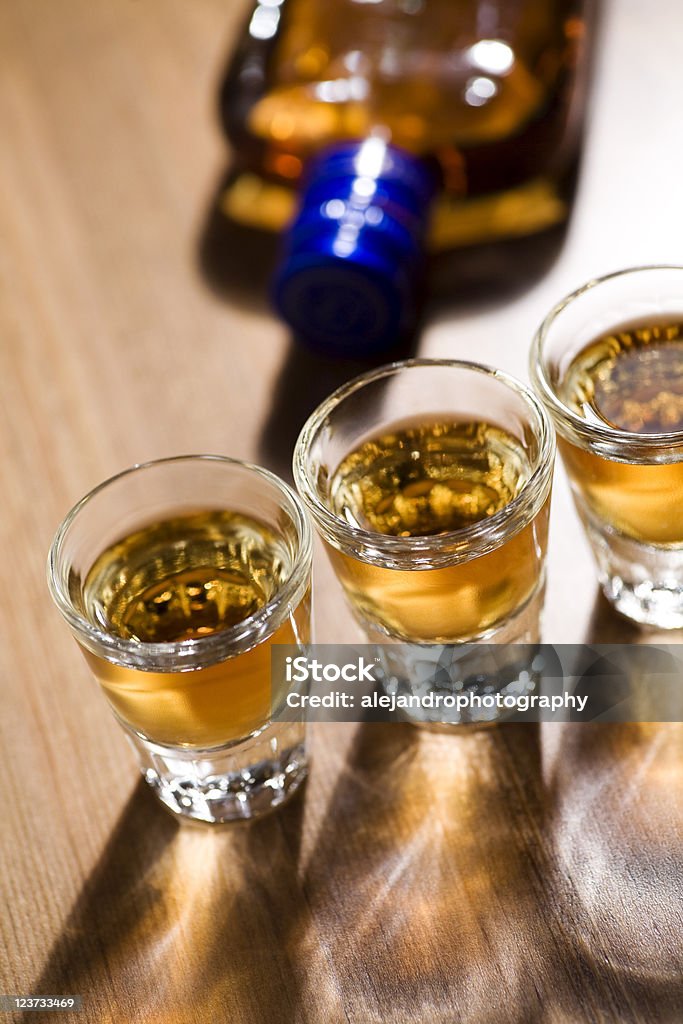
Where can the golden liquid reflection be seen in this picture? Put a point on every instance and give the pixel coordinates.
(424, 899)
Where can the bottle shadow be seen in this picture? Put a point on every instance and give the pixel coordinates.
(179, 918)
(236, 261)
(305, 380)
(482, 277)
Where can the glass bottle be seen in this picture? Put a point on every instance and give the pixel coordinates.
(386, 126)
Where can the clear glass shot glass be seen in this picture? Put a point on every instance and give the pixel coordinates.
(175, 578)
(607, 362)
(426, 593)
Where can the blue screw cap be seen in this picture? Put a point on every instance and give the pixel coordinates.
(350, 276)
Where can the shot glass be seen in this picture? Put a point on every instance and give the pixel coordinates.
(607, 363)
(429, 482)
(175, 578)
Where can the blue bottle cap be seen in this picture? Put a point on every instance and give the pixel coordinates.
(350, 275)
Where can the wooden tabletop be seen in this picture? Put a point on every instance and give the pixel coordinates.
(510, 876)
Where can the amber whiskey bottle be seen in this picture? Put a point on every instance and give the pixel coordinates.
(373, 130)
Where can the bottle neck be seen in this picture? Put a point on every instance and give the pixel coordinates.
(349, 282)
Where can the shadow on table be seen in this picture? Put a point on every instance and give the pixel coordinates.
(305, 380)
(175, 922)
(236, 261)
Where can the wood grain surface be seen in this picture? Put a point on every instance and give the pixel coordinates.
(522, 875)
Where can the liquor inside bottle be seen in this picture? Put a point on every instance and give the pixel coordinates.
(181, 579)
(631, 380)
(486, 90)
(427, 479)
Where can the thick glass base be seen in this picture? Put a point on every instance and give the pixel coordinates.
(503, 660)
(234, 783)
(644, 582)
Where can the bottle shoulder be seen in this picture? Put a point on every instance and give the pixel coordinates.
(431, 76)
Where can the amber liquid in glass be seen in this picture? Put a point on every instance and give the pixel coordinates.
(484, 88)
(427, 479)
(181, 579)
(631, 380)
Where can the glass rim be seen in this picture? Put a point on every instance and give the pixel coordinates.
(430, 551)
(575, 425)
(186, 655)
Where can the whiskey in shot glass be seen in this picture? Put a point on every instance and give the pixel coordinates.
(176, 578)
(608, 364)
(429, 481)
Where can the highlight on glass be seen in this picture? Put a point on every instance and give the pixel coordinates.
(176, 577)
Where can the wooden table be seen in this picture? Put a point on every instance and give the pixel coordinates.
(517, 875)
